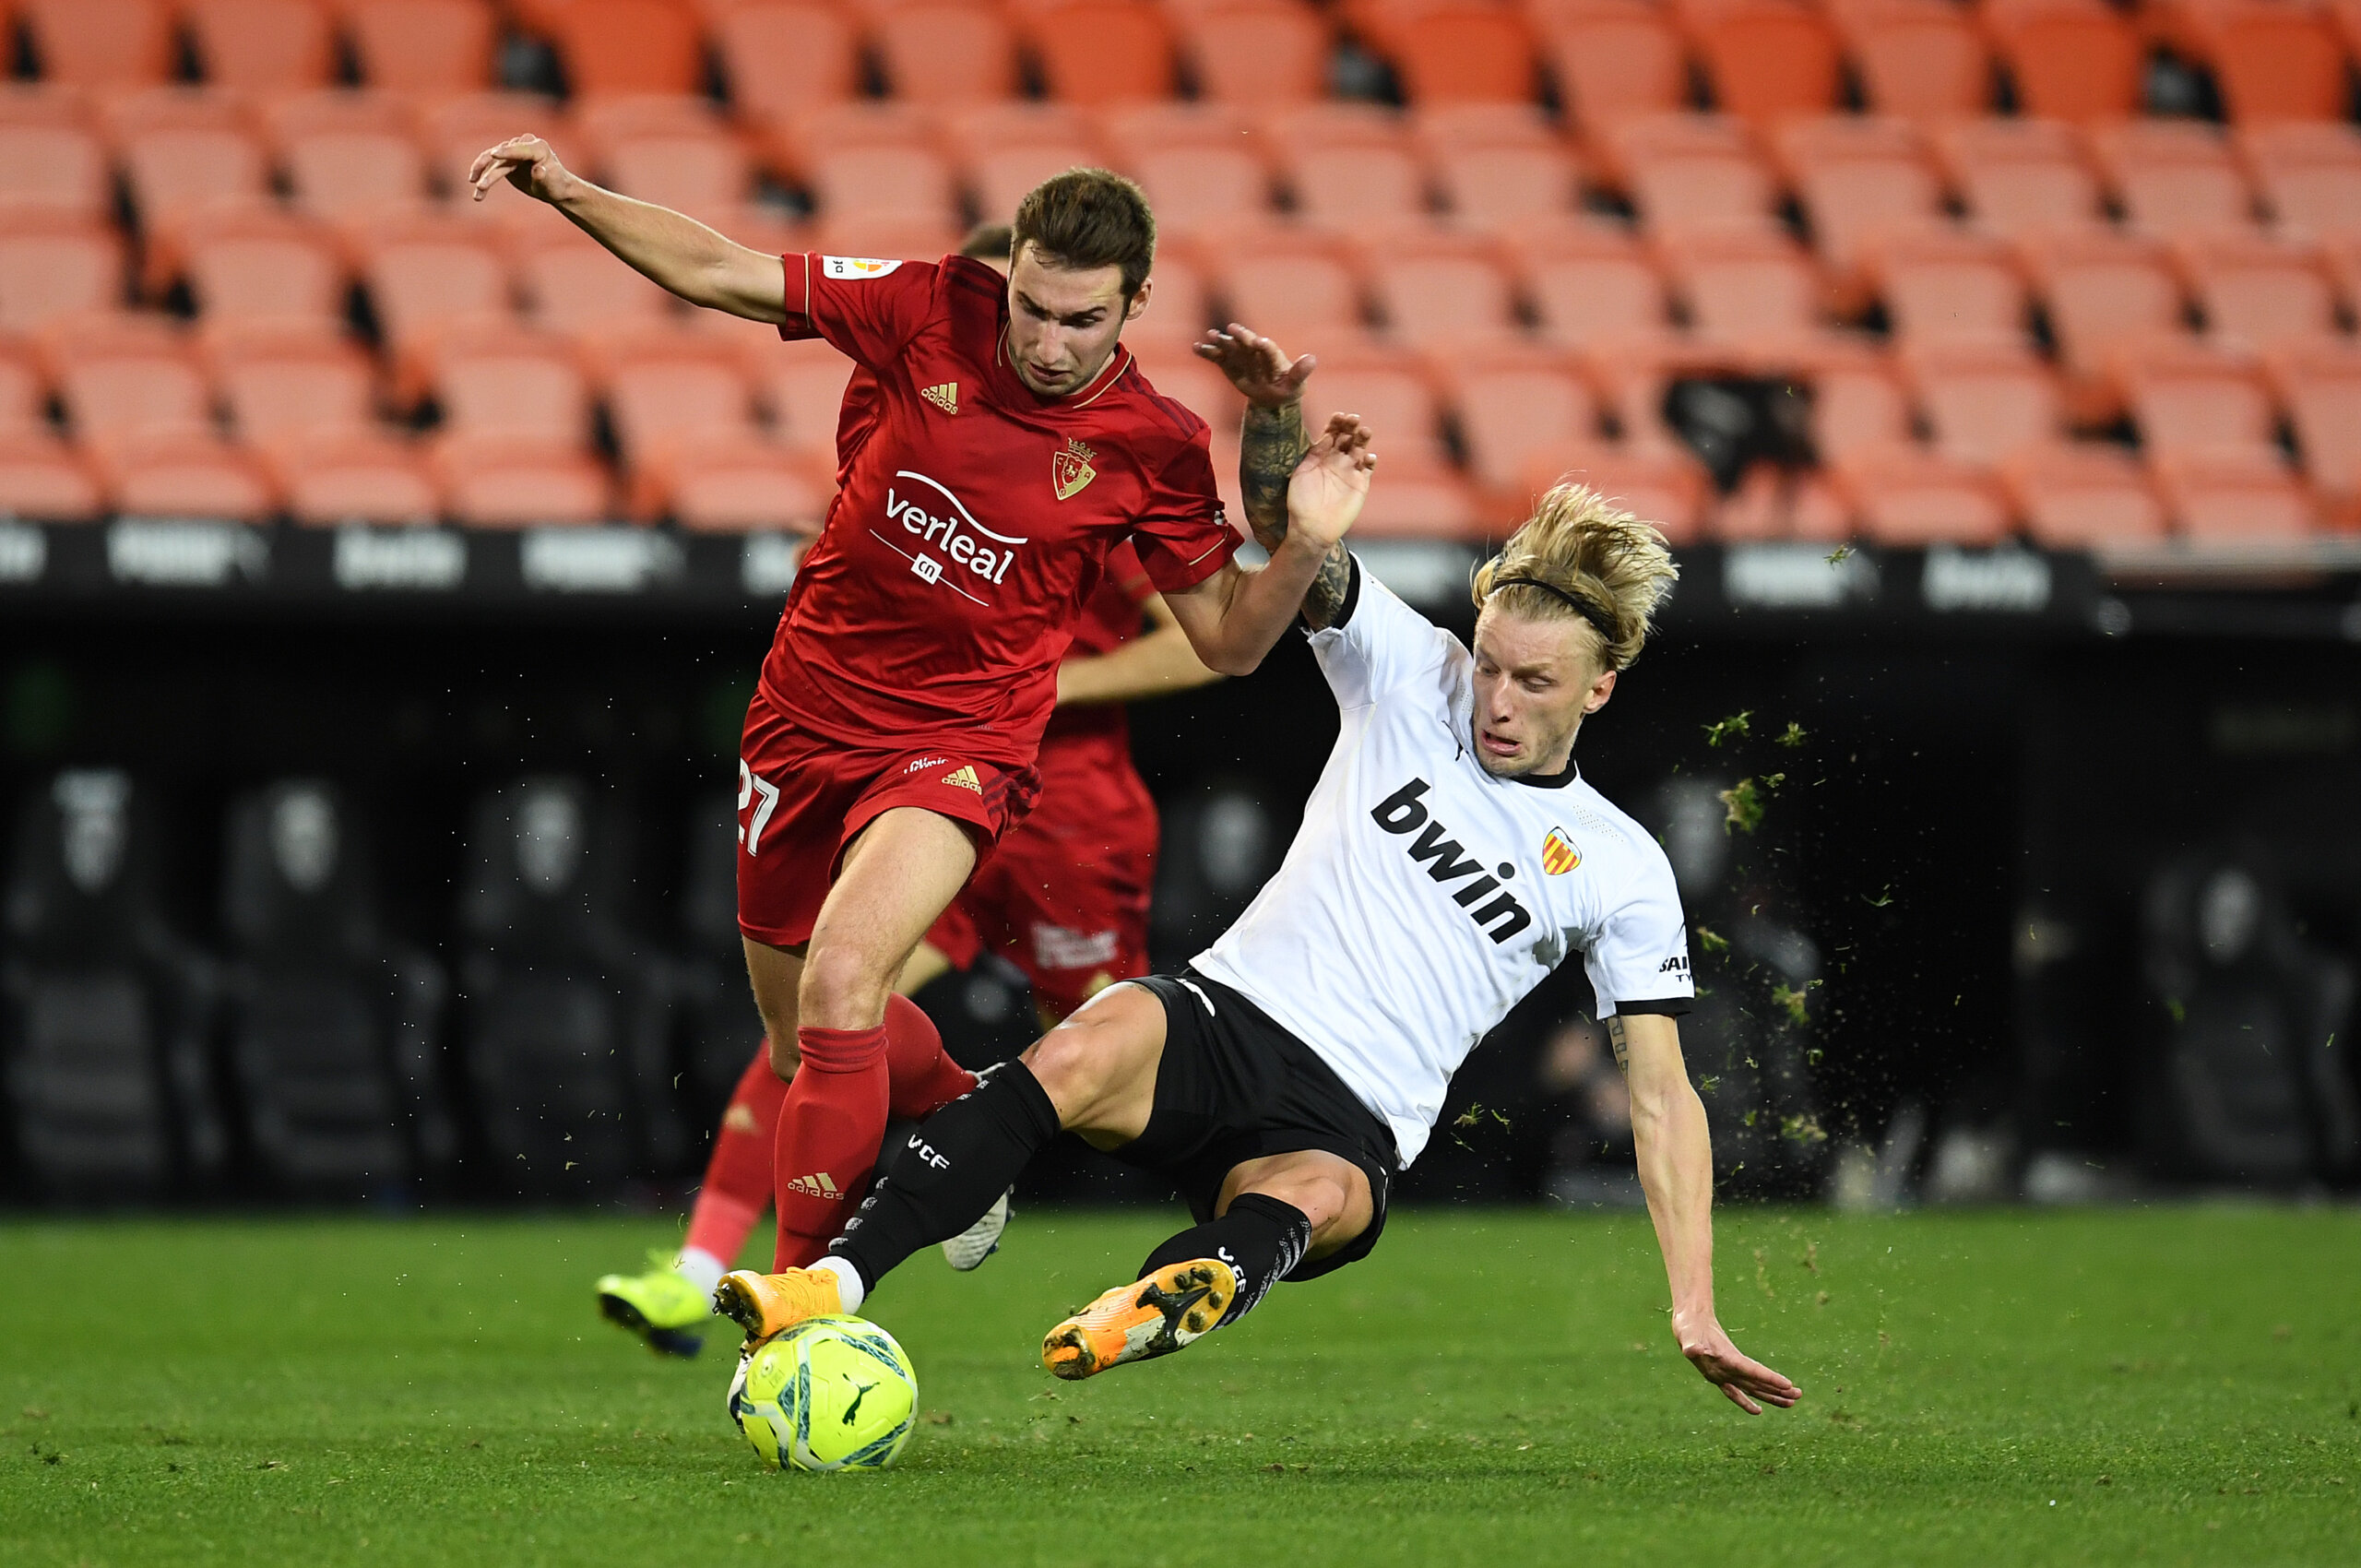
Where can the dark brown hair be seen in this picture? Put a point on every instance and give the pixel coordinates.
(1088, 218)
(986, 241)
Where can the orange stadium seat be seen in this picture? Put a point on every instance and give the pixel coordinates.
(285, 395)
(1915, 498)
(1346, 187)
(53, 270)
(861, 122)
(575, 288)
(1393, 395)
(1293, 287)
(493, 484)
(1663, 486)
(2076, 495)
(261, 45)
(1439, 504)
(2260, 294)
(1182, 304)
(2310, 175)
(2105, 294)
(1689, 171)
(1921, 59)
(425, 279)
(802, 385)
(1263, 53)
(178, 175)
(707, 175)
(2069, 59)
(1513, 406)
(1510, 183)
(1104, 50)
(2274, 61)
(1005, 149)
(1857, 409)
(453, 130)
(1443, 128)
(1464, 54)
(54, 172)
(911, 237)
(1745, 288)
(1611, 59)
(883, 182)
(186, 476)
(22, 397)
(516, 421)
(1194, 189)
(1861, 181)
(2176, 178)
(2320, 389)
(421, 47)
(2021, 178)
(267, 269)
(628, 46)
(665, 406)
(2194, 404)
(1952, 287)
(746, 488)
(1443, 295)
(362, 479)
(347, 174)
(42, 477)
(1768, 59)
(127, 381)
(1986, 404)
(1594, 286)
(2235, 503)
(781, 57)
(99, 44)
(940, 51)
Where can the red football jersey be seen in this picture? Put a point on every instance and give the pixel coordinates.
(974, 517)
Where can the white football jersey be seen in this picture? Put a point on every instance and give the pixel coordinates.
(1424, 897)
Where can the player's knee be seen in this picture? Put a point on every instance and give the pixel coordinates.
(842, 989)
(1069, 1072)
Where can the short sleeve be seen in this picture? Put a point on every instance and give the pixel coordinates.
(868, 309)
(1181, 535)
(1129, 577)
(1378, 643)
(1639, 961)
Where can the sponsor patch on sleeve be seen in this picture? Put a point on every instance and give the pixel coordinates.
(856, 266)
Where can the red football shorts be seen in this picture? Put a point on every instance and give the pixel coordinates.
(803, 798)
(1065, 895)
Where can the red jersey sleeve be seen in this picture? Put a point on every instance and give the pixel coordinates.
(1126, 575)
(867, 309)
(1181, 536)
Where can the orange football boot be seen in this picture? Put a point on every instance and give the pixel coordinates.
(1154, 1316)
(767, 1304)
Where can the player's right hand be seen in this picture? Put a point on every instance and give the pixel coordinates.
(527, 163)
(1326, 493)
(1739, 1377)
(1256, 365)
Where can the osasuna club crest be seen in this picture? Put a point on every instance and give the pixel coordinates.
(1558, 855)
(1071, 470)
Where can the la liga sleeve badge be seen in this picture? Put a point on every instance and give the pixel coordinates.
(1070, 470)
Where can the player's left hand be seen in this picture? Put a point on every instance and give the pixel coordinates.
(1326, 493)
(1742, 1379)
(1258, 367)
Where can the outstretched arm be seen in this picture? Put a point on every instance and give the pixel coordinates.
(677, 253)
(1152, 665)
(1234, 616)
(1675, 1157)
(1270, 441)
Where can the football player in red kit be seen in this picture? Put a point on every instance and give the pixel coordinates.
(893, 731)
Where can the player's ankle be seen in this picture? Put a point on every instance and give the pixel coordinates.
(851, 1290)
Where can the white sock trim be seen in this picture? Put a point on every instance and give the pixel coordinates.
(701, 1268)
(849, 1285)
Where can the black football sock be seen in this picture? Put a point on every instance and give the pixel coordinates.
(941, 1174)
(1259, 1238)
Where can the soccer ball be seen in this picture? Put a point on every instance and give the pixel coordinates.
(830, 1394)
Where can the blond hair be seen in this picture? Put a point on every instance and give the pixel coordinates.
(1580, 557)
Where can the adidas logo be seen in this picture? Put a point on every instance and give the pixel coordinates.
(965, 778)
(945, 397)
(816, 1185)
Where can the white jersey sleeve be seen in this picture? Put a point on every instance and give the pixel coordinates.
(1379, 644)
(1638, 960)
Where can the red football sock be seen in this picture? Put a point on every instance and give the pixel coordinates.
(829, 1129)
(737, 1176)
(922, 1076)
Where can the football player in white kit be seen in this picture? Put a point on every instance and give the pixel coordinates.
(1450, 857)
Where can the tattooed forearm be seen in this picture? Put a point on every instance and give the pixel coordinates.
(1270, 446)
(1614, 1038)
(1326, 597)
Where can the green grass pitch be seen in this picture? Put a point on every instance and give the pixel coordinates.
(2174, 1386)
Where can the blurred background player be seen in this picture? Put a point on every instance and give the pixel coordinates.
(1065, 896)
(893, 729)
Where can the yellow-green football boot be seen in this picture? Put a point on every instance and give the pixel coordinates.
(661, 1306)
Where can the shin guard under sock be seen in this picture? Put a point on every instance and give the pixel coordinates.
(922, 1077)
(829, 1127)
(1259, 1238)
(738, 1174)
(946, 1174)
